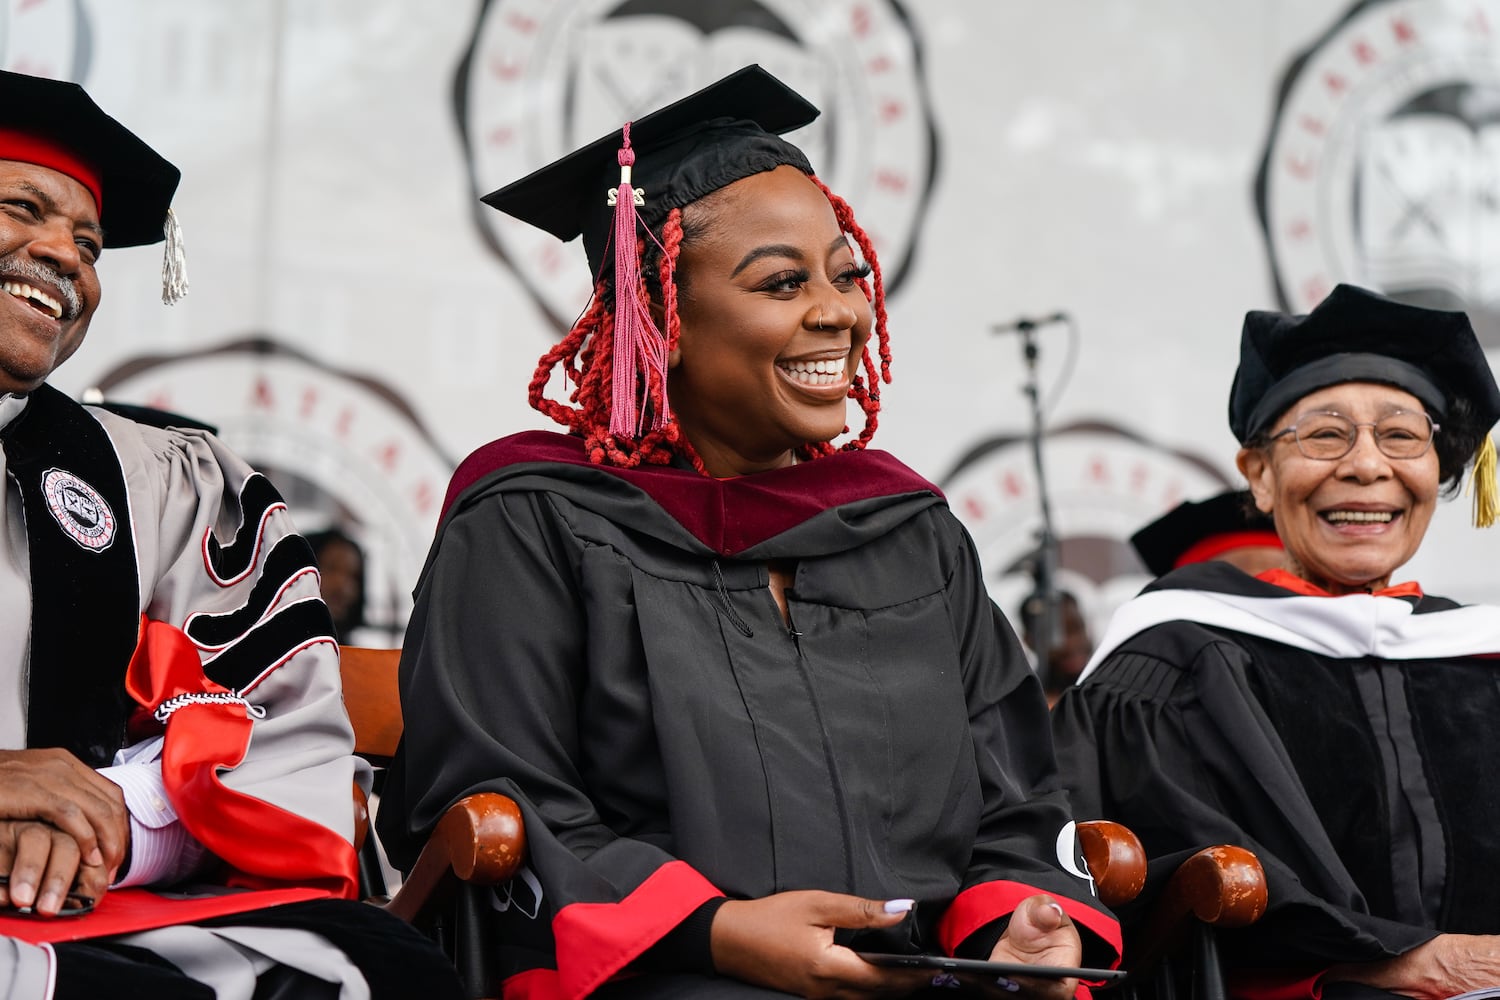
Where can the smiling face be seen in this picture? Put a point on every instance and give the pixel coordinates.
(1349, 523)
(773, 323)
(49, 242)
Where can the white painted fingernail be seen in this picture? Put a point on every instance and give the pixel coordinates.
(1060, 912)
(899, 905)
(1008, 985)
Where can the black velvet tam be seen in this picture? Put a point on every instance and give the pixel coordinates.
(723, 133)
(135, 183)
(1355, 335)
(1196, 524)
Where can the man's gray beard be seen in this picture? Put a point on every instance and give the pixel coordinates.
(14, 267)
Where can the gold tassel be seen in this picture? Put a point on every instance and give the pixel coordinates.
(1483, 485)
(174, 283)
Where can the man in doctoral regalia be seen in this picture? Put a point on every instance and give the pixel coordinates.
(170, 708)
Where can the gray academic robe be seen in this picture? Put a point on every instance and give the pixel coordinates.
(215, 555)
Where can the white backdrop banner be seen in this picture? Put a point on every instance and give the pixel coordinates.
(358, 322)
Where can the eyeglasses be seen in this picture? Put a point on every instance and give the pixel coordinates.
(1327, 436)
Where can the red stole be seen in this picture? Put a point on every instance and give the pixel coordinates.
(282, 855)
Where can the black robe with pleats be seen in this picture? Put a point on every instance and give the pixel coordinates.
(602, 645)
(1345, 739)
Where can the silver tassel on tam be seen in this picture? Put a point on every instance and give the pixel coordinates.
(174, 282)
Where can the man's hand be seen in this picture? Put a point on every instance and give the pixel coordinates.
(785, 942)
(44, 866)
(1040, 933)
(1447, 965)
(60, 821)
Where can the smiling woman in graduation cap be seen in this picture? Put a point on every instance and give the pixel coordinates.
(745, 684)
(1336, 723)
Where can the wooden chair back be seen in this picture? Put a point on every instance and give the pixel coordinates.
(480, 841)
(372, 699)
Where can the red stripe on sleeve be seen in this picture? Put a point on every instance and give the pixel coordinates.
(597, 940)
(1276, 984)
(980, 904)
(206, 737)
(533, 984)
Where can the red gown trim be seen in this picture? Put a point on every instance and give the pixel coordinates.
(1276, 984)
(597, 940)
(727, 515)
(125, 911)
(533, 984)
(989, 901)
(1216, 545)
(264, 845)
(1286, 581)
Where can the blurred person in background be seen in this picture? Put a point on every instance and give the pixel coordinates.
(341, 567)
(1225, 527)
(1060, 662)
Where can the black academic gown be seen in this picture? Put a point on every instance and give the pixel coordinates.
(602, 645)
(1343, 739)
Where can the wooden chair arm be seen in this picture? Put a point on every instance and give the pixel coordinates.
(1115, 858)
(361, 817)
(1219, 887)
(480, 839)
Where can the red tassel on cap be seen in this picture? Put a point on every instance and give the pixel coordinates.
(640, 349)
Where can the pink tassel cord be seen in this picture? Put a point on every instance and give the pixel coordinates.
(639, 348)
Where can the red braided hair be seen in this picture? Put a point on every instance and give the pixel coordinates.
(587, 352)
(866, 393)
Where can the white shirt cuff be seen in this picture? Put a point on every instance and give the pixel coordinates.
(161, 849)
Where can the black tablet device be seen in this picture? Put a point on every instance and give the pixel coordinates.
(74, 905)
(971, 966)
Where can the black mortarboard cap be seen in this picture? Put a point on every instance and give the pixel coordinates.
(723, 133)
(1355, 335)
(132, 183)
(1197, 530)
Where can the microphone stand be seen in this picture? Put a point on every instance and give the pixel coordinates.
(1044, 565)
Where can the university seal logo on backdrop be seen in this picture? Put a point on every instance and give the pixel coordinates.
(344, 449)
(543, 77)
(1382, 167)
(50, 38)
(1104, 482)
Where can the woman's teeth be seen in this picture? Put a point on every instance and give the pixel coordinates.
(815, 372)
(1360, 516)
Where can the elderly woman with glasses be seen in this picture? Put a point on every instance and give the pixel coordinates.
(1332, 721)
